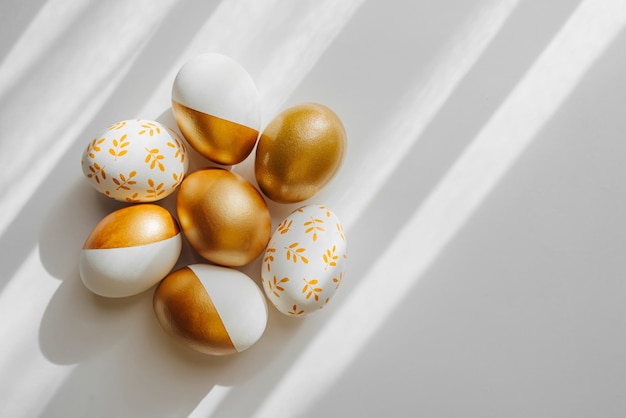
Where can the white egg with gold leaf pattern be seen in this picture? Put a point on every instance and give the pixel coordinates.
(304, 262)
(135, 161)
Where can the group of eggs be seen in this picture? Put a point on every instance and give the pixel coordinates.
(213, 307)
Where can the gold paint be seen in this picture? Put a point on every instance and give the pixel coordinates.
(220, 140)
(185, 311)
(131, 226)
(224, 218)
(299, 152)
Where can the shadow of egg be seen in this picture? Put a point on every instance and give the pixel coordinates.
(68, 222)
(77, 324)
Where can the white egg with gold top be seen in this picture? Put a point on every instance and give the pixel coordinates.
(135, 161)
(130, 250)
(211, 309)
(217, 107)
(304, 263)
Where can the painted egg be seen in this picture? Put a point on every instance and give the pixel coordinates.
(299, 152)
(224, 218)
(130, 250)
(304, 263)
(217, 108)
(135, 161)
(212, 309)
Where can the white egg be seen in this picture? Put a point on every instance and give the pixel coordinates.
(135, 161)
(211, 309)
(217, 107)
(304, 262)
(130, 250)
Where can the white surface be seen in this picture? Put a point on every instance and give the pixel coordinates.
(482, 197)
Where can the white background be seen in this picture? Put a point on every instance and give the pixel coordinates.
(482, 196)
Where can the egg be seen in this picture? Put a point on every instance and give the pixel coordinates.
(130, 250)
(299, 152)
(211, 309)
(304, 263)
(224, 218)
(135, 161)
(217, 107)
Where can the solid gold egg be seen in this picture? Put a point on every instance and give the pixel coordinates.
(299, 152)
(224, 218)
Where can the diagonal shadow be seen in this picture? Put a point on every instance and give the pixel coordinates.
(417, 172)
(150, 66)
(496, 312)
(14, 19)
(557, 72)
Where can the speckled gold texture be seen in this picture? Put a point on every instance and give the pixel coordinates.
(224, 218)
(131, 226)
(299, 152)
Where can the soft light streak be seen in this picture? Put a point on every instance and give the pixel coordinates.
(22, 304)
(37, 40)
(421, 104)
(299, 33)
(64, 90)
(208, 405)
(536, 98)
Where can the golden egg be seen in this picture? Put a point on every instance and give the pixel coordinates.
(224, 218)
(211, 309)
(130, 250)
(299, 152)
(217, 107)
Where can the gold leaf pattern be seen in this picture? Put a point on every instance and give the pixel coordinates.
(179, 147)
(125, 181)
(330, 259)
(154, 158)
(178, 178)
(328, 212)
(340, 231)
(310, 289)
(150, 128)
(338, 280)
(117, 126)
(118, 147)
(285, 226)
(294, 252)
(269, 257)
(275, 285)
(96, 171)
(93, 147)
(294, 311)
(155, 191)
(134, 198)
(314, 226)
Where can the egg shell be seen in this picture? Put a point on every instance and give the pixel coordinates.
(217, 107)
(130, 250)
(211, 309)
(135, 161)
(304, 263)
(224, 218)
(299, 152)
